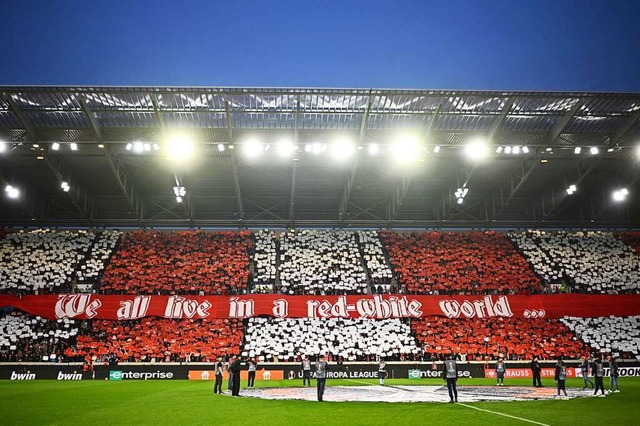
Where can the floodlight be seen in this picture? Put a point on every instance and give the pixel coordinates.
(100, 145)
(594, 150)
(307, 148)
(55, 146)
(499, 149)
(179, 147)
(460, 200)
(549, 149)
(436, 149)
(624, 191)
(618, 196)
(65, 186)
(73, 146)
(252, 148)
(342, 148)
(129, 146)
(147, 147)
(3, 146)
(373, 149)
(571, 189)
(285, 148)
(507, 150)
(138, 147)
(477, 149)
(525, 149)
(405, 149)
(179, 191)
(156, 147)
(12, 192)
(577, 150)
(179, 199)
(516, 150)
(220, 147)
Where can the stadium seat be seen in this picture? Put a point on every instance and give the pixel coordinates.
(609, 335)
(264, 258)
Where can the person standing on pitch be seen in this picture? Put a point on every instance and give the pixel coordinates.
(382, 370)
(306, 371)
(535, 369)
(219, 369)
(501, 369)
(561, 376)
(584, 369)
(252, 373)
(230, 383)
(235, 370)
(598, 374)
(613, 375)
(321, 376)
(450, 368)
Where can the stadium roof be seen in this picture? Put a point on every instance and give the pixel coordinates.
(117, 187)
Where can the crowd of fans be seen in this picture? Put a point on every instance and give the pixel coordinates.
(321, 262)
(91, 268)
(153, 339)
(490, 338)
(25, 338)
(185, 262)
(459, 263)
(584, 261)
(376, 263)
(264, 259)
(609, 335)
(41, 261)
(346, 339)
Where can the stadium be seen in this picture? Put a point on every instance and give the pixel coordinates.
(152, 232)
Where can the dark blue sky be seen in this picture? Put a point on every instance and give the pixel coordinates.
(506, 44)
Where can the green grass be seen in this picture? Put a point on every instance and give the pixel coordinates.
(192, 403)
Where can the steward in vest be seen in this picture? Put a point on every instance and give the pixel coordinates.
(598, 374)
(450, 374)
(382, 371)
(306, 371)
(561, 376)
(501, 370)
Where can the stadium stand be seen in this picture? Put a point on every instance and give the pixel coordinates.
(608, 335)
(489, 338)
(25, 338)
(321, 262)
(92, 267)
(158, 340)
(459, 263)
(632, 239)
(376, 263)
(41, 261)
(348, 339)
(264, 258)
(586, 262)
(186, 262)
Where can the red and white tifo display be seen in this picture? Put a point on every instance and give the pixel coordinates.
(123, 307)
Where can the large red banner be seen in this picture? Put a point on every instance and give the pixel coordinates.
(86, 306)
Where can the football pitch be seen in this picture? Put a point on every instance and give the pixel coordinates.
(193, 403)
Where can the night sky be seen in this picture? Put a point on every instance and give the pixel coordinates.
(514, 44)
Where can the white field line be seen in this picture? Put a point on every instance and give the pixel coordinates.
(502, 414)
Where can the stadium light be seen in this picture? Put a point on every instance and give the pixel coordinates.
(406, 149)
(307, 148)
(594, 150)
(12, 192)
(179, 147)
(477, 149)
(571, 189)
(179, 199)
(507, 150)
(499, 149)
(147, 147)
(436, 149)
(156, 147)
(3, 146)
(525, 149)
(73, 146)
(55, 146)
(252, 148)
(342, 148)
(285, 148)
(129, 147)
(65, 186)
(138, 147)
(221, 147)
(577, 150)
(620, 195)
(318, 148)
(373, 149)
(516, 150)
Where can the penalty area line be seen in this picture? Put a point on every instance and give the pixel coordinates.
(358, 381)
(503, 414)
